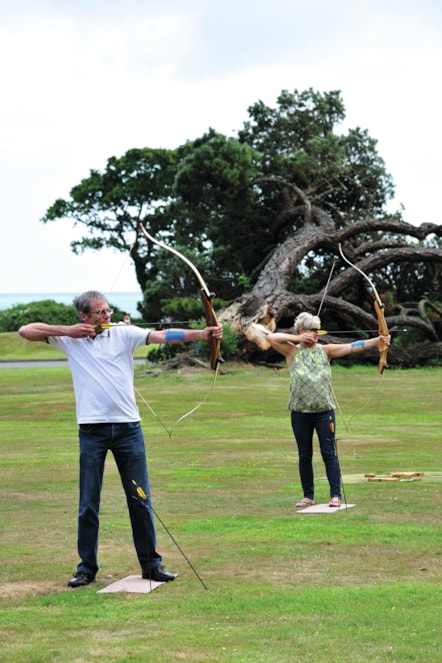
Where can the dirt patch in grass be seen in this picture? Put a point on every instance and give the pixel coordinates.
(26, 589)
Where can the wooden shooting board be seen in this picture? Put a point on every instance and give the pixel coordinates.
(322, 508)
(133, 584)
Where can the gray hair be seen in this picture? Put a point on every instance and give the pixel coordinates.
(307, 321)
(83, 302)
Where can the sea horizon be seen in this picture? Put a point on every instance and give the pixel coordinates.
(125, 301)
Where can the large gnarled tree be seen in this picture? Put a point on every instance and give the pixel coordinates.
(262, 216)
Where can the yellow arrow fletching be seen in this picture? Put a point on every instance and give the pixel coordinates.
(141, 493)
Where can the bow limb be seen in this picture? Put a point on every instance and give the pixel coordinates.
(206, 298)
(379, 310)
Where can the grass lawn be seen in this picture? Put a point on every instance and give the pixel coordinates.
(360, 585)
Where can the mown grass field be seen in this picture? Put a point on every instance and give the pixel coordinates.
(360, 585)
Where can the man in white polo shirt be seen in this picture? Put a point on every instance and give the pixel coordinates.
(101, 363)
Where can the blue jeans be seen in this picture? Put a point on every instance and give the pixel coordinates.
(126, 442)
(304, 424)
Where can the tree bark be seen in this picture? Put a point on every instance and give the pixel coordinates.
(272, 305)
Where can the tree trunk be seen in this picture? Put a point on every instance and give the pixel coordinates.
(272, 306)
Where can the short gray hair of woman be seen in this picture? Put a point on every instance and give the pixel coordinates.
(307, 321)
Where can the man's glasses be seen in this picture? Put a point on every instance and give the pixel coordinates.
(102, 311)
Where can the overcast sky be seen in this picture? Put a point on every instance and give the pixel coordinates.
(82, 81)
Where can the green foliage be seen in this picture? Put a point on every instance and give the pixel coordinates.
(245, 282)
(297, 142)
(110, 204)
(229, 342)
(227, 202)
(224, 167)
(118, 314)
(47, 310)
(181, 308)
(229, 346)
(166, 352)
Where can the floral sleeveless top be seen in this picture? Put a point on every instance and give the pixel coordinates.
(310, 381)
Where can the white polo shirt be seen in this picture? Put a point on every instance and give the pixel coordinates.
(103, 372)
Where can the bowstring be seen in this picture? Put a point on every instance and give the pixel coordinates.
(326, 288)
(333, 391)
(318, 313)
(126, 258)
(137, 391)
(381, 377)
(170, 430)
(346, 424)
(197, 407)
(151, 410)
(365, 404)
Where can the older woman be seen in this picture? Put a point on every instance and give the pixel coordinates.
(311, 398)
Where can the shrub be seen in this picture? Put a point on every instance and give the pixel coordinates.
(46, 310)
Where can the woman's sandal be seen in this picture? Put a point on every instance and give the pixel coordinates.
(306, 501)
(335, 501)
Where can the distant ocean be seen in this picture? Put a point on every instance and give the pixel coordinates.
(126, 301)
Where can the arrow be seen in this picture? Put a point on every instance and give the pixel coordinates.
(397, 330)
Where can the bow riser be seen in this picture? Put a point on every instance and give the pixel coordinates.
(211, 321)
(383, 331)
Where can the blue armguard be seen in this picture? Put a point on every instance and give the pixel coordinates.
(357, 344)
(174, 335)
